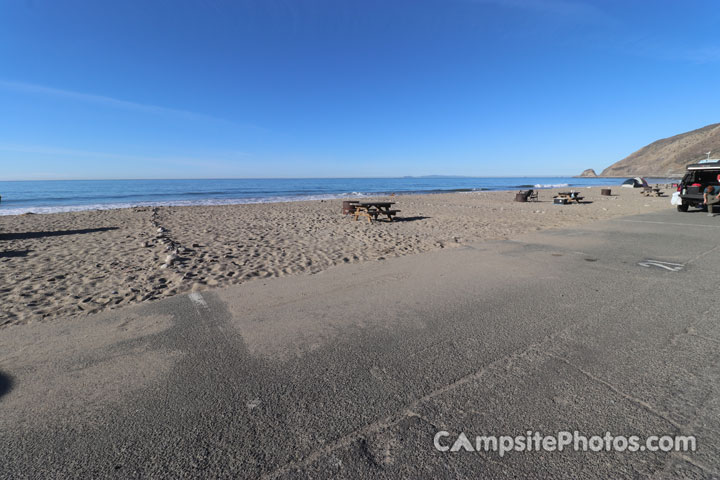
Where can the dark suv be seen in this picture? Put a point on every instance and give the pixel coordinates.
(696, 179)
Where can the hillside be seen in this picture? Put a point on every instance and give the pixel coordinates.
(669, 156)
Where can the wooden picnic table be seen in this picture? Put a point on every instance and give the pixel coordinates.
(371, 210)
(570, 196)
(648, 191)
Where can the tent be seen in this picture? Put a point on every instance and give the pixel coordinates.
(636, 182)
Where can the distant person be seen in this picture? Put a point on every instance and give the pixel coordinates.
(711, 196)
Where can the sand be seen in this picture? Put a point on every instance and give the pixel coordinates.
(73, 264)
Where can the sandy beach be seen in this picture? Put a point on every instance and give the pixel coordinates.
(74, 264)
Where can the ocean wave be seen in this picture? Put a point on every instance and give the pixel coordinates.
(180, 203)
(19, 210)
(556, 185)
(57, 197)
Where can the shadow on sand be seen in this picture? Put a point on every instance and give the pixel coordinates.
(58, 233)
(408, 219)
(14, 253)
(6, 384)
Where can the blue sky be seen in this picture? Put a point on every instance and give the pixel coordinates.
(333, 88)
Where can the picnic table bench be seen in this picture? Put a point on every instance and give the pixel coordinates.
(567, 197)
(371, 210)
(652, 191)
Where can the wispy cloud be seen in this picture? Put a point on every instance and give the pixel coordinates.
(562, 8)
(656, 47)
(226, 160)
(702, 54)
(110, 102)
(697, 55)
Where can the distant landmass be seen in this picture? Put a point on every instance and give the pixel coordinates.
(669, 156)
(588, 173)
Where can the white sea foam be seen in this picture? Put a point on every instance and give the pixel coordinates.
(557, 185)
(179, 203)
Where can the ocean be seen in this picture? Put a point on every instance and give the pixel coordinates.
(53, 196)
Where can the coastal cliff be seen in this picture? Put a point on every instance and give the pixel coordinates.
(668, 156)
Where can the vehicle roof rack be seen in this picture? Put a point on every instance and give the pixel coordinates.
(710, 164)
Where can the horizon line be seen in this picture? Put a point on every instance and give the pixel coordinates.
(291, 178)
